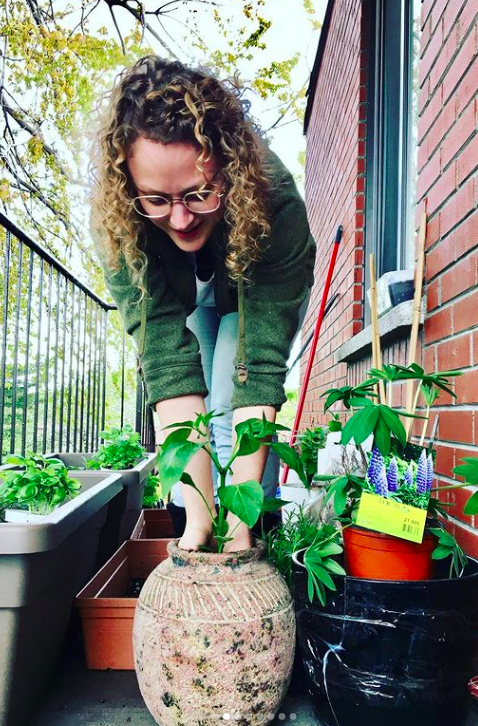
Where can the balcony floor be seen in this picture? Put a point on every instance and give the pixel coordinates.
(79, 697)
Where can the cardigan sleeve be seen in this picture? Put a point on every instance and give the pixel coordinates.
(171, 360)
(280, 285)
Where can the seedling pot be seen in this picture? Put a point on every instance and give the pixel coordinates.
(377, 556)
(214, 634)
(106, 613)
(390, 652)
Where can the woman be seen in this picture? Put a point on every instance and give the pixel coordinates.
(202, 236)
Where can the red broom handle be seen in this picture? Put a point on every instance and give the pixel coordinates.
(315, 340)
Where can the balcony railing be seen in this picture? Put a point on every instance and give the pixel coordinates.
(54, 356)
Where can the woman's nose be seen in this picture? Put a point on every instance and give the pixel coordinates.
(180, 217)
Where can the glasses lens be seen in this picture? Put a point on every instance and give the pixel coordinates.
(152, 206)
(204, 200)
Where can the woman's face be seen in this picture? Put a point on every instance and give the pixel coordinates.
(170, 170)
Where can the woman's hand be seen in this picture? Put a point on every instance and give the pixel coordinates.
(245, 468)
(198, 520)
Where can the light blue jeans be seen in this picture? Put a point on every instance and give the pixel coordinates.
(217, 339)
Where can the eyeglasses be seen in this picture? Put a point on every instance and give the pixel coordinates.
(202, 201)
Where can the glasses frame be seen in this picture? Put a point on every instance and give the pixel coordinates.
(172, 200)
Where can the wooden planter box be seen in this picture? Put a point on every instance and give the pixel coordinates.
(153, 524)
(106, 613)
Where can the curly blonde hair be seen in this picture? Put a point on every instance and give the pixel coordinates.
(167, 102)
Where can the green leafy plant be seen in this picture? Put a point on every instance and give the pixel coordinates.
(448, 547)
(322, 544)
(308, 444)
(152, 491)
(122, 450)
(245, 500)
(37, 484)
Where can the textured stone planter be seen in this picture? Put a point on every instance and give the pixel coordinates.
(214, 635)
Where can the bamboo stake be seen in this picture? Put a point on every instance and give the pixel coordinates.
(417, 304)
(376, 349)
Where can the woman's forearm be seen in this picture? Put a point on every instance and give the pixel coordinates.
(186, 408)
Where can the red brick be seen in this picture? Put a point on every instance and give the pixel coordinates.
(433, 230)
(467, 161)
(445, 460)
(468, 86)
(456, 426)
(458, 207)
(444, 57)
(475, 348)
(455, 353)
(427, 118)
(464, 127)
(467, 540)
(459, 498)
(430, 55)
(433, 295)
(459, 66)
(461, 277)
(466, 387)
(429, 358)
(438, 326)
(441, 126)
(465, 312)
(466, 235)
(440, 257)
(441, 189)
(451, 13)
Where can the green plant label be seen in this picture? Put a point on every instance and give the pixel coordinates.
(391, 517)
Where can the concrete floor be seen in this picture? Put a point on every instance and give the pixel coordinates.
(79, 697)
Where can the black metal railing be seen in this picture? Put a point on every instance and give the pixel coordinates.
(57, 385)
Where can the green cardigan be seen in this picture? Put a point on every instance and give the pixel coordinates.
(171, 360)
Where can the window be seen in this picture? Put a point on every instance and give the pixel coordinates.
(391, 146)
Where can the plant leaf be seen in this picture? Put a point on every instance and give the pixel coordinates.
(244, 500)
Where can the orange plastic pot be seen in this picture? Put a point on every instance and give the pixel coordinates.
(376, 556)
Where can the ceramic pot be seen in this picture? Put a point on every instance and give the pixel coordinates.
(378, 556)
(214, 638)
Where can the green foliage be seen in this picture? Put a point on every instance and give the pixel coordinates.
(122, 450)
(469, 472)
(349, 396)
(37, 484)
(245, 500)
(308, 444)
(379, 420)
(448, 547)
(322, 544)
(152, 492)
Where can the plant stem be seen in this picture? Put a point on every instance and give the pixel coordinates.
(408, 425)
(450, 487)
(193, 486)
(425, 426)
(389, 394)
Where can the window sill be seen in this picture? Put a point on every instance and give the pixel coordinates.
(393, 325)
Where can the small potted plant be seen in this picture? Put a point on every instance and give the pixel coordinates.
(49, 540)
(121, 452)
(295, 491)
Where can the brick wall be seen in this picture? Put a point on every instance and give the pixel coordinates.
(334, 192)
(448, 165)
(448, 180)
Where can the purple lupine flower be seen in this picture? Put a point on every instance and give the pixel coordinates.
(422, 473)
(381, 486)
(408, 476)
(392, 475)
(429, 472)
(375, 466)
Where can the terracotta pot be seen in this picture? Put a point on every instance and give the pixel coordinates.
(106, 613)
(376, 556)
(214, 638)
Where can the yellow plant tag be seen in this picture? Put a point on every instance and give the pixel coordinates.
(391, 517)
